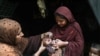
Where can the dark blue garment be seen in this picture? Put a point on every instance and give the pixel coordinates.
(33, 46)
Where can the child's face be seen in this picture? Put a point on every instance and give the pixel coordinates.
(61, 21)
(47, 41)
(94, 52)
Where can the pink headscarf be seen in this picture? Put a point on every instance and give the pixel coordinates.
(72, 23)
(66, 13)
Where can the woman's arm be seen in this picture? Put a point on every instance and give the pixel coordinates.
(46, 40)
(40, 50)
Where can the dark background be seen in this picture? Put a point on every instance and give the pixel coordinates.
(28, 15)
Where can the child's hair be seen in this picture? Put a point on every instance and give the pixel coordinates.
(9, 29)
(97, 47)
(47, 34)
(94, 45)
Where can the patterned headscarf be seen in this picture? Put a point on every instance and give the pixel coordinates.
(9, 29)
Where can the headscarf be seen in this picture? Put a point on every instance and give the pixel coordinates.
(66, 13)
(9, 29)
(73, 25)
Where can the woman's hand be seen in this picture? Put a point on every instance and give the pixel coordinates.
(40, 50)
(36, 55)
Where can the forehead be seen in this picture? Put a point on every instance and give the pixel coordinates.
(94, 49)
(60, 18)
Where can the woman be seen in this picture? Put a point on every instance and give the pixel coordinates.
(12, 42)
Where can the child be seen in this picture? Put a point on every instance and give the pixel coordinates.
(95, 50)
(49, 44)
(68, 32)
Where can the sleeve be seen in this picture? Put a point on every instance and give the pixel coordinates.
(75, 46)
(33, 45)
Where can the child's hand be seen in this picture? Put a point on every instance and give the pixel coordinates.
(61, 43)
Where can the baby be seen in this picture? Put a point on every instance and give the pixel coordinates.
(50, 44)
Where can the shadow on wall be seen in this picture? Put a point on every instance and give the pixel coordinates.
(28, 14)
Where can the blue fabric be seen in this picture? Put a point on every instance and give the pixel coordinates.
(95, 5)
